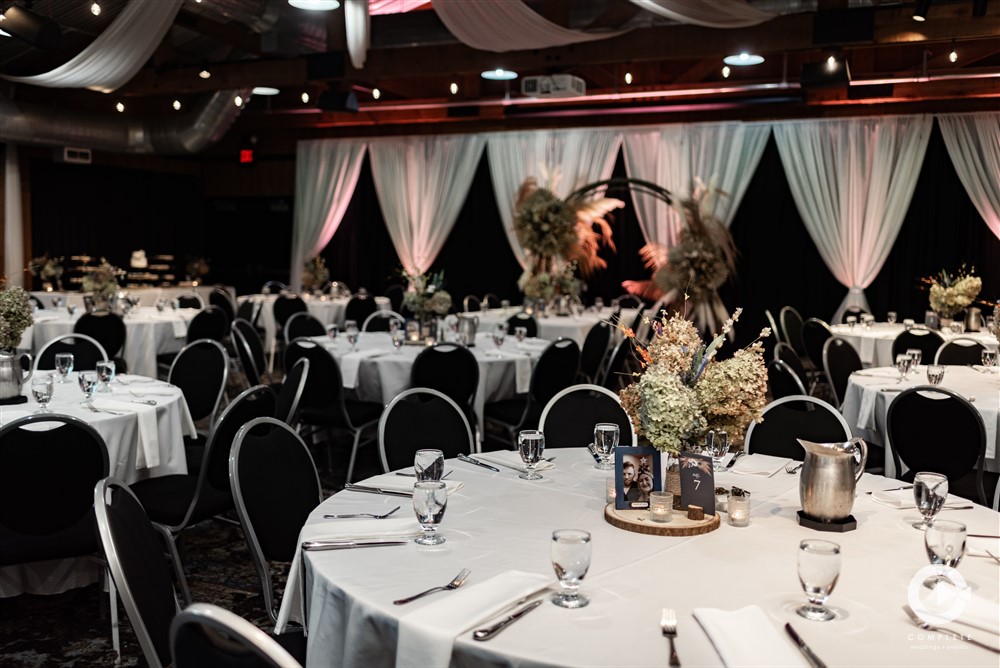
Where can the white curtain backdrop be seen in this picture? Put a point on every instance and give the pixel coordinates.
(13, 223)
(326, 171)
(671, 156)
(852, 180)
(117, 53)
(421, 183)
(357, 25)
(561, 160)
(714, 14)
(973, 142)
(508, 25)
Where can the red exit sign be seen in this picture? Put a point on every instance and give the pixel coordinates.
(246, 156)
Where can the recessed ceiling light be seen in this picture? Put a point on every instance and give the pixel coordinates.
(305, 98)
(725, 71)
(205, 74)
(120, 107)
(499, 74)
(177, 105)
(265, 90)
(95, 9)
(376, 93)
(743, 58)
(628, 78)
(453, 88)
(315, 5)
(238, 101)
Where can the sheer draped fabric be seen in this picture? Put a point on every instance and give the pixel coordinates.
(973, 142)
(421, 184)
(672, 156)
(852, 181)
(117, 53)
(326, 171)
(715, 14)
(13, 228)
(358, 28)
(568, 158)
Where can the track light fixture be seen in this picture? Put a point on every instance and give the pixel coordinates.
(920, 10)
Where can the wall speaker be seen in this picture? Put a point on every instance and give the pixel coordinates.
(335, 100)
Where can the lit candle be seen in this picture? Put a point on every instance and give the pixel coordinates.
(739, 510)
(660, 506)
(609, 490)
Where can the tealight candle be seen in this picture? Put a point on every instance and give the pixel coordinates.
(739, 510)
(609, 490)
(661, 506)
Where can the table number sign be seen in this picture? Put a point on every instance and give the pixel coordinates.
(697, 482)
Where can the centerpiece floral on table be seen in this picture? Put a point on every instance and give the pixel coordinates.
(102, 281)
(197, 269)
(683, 390)
(315, 274)
(15, 315)
(425, 296)
(951, 293)
(47, 268)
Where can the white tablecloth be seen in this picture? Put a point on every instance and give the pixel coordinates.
(328, 310)
(874, 345)
(552, 327)
(147, 296)
(498, 523)
(866, 405)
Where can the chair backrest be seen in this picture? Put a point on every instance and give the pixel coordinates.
(617, 374)
(791, 418)
(815, 333)
(51, 463)
(773, 324)
(490, 300)
(105, 327)
(275, 486)
(555, 370)
(471, 303)
(569, 417)
(221, 298)
(629, 300)
(791, 328)
(249, 310)
(190, 299)
(135, 553)
(250, 350)
(449, 368)
(324, 387)
(930, 428)
(359, 307)
(421, 418)
(290, 394)
(394, 293)
(924, 339)
(960, 350)
(204, 634)
(522, 319)
(785, 353)
(379, 321)
(209, 323)
(285, 306)
(303, 323)
(840, 360)
(273, 288)
(594, 351)
(201, 370)
(87, 352)
(782, 380)
(853, 311)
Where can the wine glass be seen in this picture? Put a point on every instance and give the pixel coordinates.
(916, 354)
(935, 374)
(398, 336)
(428, 464)
(606, 435)
(57, 302)
(88, 383)
(520, 333)
(571, 550)
(64, 365)
(499, 333)
(430, 497)
(41, 390)
(105, 374)
(989, 359)
(351, 329)
(530, 445)
(930, 491)
(945, 543)
(903, 362)
(819, 568)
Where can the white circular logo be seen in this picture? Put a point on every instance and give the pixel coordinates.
(938, 594)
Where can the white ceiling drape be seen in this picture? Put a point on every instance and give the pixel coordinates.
(376, 7)
(326, 172)
(973, 142)
(852, 180)
(421, 183)
(562, 160)
(358, 27)
(117, 53)
(722, 154)
(714, 14)
(13, 225)
(508, 25)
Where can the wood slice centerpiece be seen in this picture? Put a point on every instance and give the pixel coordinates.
(638, 521)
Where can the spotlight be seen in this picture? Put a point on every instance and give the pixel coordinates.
(920, 10)
(953, 56)
(238, 101)
(628, 78)
(120, 107)
(499, 74)
(453, 88)
(177, 105)
(725, 71)
(205, 74)
(376, 93)
(95, 9)
(32, 28)
(305, 98)
(265, 90)
(832, 72)
(315, 5)
(743, 59)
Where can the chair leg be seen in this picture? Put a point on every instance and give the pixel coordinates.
(116, 643)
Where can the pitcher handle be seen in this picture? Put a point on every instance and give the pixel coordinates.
(859, 444)
(31, 369)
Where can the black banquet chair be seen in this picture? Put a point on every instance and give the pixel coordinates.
(840, 360)
(303, 323)
(249, 350)
(925, 340)
(381, 321)
(209, 323)
(87, 352)
(285, 306)
(782, 381)
(791, 328)
(451, 369)
(420, 418)
(569, 417)
(523, 319)
(220, 297)
(791, 418)
(594, 352)
(201, 371)
(108, 329)
(359, 307)
(815, 333)
(204, 634)
(960, 350)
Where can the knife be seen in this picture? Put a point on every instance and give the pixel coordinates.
(470, 460)
(735, 457)
(593, 453)
(894, 489)
(376, 490)
(316, 545)
(490, 631)
(814, 660)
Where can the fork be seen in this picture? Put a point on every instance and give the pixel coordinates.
(95, 409)
(919, 621)
(457, 582)
(374, 516)
(669, 625)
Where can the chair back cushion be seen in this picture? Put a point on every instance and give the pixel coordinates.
(259, 401)
(290, 394)
(791, 327)
(324, 385)
(87, 352)
(815, 333)
(285, 306)
(522, 319)
(303, 324)
(209, 323)
(359, 307)
(595, 349)
(201, 369)
(448, 368)
(840, 360)
(782, 380)
(960, 350)
(925, 340)
(106, 327)
(791, 418)
(568, 419)
(555, 370)
(421, 418)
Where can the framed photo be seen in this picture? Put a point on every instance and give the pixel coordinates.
(637, 473)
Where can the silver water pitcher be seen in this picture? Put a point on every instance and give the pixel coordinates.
(12, 375)
(467, 325)
(972, 319)
(830, 472)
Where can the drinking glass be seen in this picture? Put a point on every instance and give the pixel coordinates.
(890, 317)
(903, 362)
(571, 560)
(530, 445)
(935, 374)
(819, 568)
(930, 491)
(945, 543)
(717, 446)
(333, 330)
(393, 325)
(851, 320)
(351, 329)
(398, 337)
(88, 383)
(160, 305)
(499, 333)
(64, 365)
(916, 354)
(868, 320)
(430, 497)
(989, 359)
(958, 327)
(606, 435)
(428, 464)
(105, 374)
(520, 333)
(41, 389)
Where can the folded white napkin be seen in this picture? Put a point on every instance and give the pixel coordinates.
(978, 547)
(746, 637)
(180, 327)
(402, 483)
(147, 455)
(897, 498)
(533, 345)
(973, 610)
(511, 460)
(292, 605)
(427, 634)
(758, 464)
(350, 363)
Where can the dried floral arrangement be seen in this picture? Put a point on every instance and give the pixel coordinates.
(425, 296)
(102, 280)
(951, 293)
(315, 273)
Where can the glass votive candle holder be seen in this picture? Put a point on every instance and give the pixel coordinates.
(935, 374)
(661, 505)
(609, 489)
(908, 323)
(739, 510)
(890, 317)
(851, 321)
(721, 499)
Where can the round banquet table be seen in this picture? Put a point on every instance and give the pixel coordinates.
(328, 310)
(869, 393)
(874, 345)
(135, 452)
(148, 332)
(146, 296)
(497, 523)
(552, 327)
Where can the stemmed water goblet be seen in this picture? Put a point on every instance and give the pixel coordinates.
(351, 329)
(398, 336)
(851, 320)
(571, 550)
(530, 445)
(930, 491)
(430, 498)
(890, 317)
(64, 365)
(717, 446)
(499, 333)
(989, 359)
(903, 362)
(428, 464)
(606, 437)
(819, 569)
(916, 354)
(41, 390)
(935, 374)
(520, 333)
(105, 374)
(57, 302)
(88, 383)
